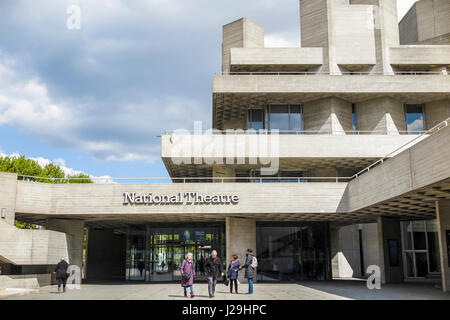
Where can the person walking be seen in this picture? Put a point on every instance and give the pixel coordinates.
(213, 269)
(250, 269)
(233, 272)
(187, 275)
(62, 274)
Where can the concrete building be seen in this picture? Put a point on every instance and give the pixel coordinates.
(325, 159)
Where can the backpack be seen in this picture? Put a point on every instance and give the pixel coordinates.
(254, 264)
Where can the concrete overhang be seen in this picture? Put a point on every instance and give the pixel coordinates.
(275, 59)
(420, 55)
(332, 84)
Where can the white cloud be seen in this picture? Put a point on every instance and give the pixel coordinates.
(403, 7)
(281, 40)
(127, 133)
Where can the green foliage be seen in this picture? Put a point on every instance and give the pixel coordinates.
(24, 225)
(29, 167)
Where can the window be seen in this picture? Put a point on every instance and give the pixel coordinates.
(415, 119)
(420, 248)
(256, 119)
(285, 117)
(354, 117)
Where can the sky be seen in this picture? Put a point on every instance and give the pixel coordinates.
(96, 99)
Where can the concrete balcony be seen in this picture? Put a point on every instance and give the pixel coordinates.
(288, 145)
(356, 87)
(423, 56)
(275, 59)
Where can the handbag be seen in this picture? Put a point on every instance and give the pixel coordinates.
(225, 280)
(186, 276)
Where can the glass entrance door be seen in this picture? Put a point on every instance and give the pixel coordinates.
(168, 247)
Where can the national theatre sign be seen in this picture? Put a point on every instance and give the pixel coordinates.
(188, 198)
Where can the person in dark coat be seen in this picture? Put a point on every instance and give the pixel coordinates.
(233, 272)
(213, 269)
(250, 270)
(187, 267)
(62, 274)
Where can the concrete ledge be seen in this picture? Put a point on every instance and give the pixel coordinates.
(8, 282)
(15, 292)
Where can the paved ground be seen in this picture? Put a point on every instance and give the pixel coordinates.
(330, 290)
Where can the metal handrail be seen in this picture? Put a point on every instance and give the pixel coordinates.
(427, 133)
(278, 73)
(293, 132)
(187, 179)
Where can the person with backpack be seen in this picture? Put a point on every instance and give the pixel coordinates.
(187, 275)
(233, 272)
(251, 263)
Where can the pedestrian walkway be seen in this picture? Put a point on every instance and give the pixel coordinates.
(323, 290)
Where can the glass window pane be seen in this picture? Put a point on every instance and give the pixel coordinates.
(414, 118)
(407, 228)
(433, 246)
(279, 117)
(255, 119)
(419, 235)
(295, 119)
(421, 264)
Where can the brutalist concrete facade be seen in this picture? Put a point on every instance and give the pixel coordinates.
(348, 90)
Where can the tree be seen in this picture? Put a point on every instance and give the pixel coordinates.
(29, 169)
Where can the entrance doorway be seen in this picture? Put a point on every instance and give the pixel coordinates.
(155, 252)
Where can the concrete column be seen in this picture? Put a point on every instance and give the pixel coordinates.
(331, 115)
(345, 251)
(240, 236)
(382, 115)
(8, 189)
(74, 229)
(443, 223)
(243, 33)
(389, 229)
(387, 33)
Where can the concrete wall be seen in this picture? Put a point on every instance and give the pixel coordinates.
(75, 229)
(371, 249)
(420, 55)
(330, 115)
(350, 85)
(381, 115)
(436, 112)
(240, 236)
(426, 22)
(443, 222)
(389, 229)
(318, 115)
(276, 56)
(8, 185)
(242, 33)
(32, 247)
(408, 27)
(97, 200)
(345, 252)
(421, 165)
